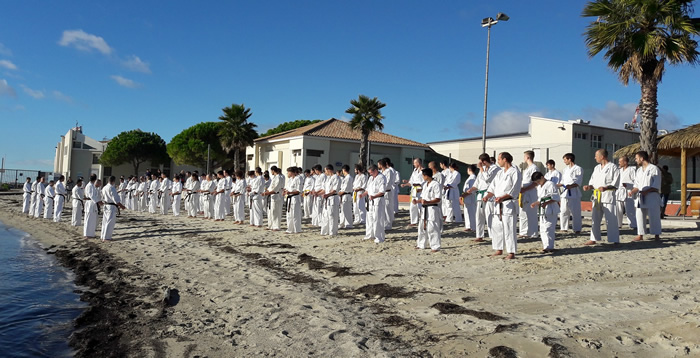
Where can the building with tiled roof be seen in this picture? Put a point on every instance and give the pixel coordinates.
(331, 142)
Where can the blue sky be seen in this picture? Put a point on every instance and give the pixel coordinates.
(164, 66)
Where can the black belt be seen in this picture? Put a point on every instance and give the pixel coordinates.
(119, 212)
(50, 197)
(425, 214)
(289, 200)
(82, 205)
(500, 208)
(63, 195)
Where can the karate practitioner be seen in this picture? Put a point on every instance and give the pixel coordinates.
(484, 209)
(388, 173)
(604, 181)
(416, 184)
(143, 194)
(552, 173)
(111, 202)
(291, 193)
(505, 189)
(547, 205)
(528, 195)
(177, 195)
(91, 201)
(331, 204)
(647, 184)
(571, 180)
(430, 225)
(154, 193)
(374, 196)
(39, 207)
(227, 193)
(206, 189)
(274, 197)
(166, 186)
(77, 210)
(395, 187)
(219, 194)
(35, 195)
(121, 190)
(469, 199)
(131, 199)
(346, 193)
(359, 184)
(257, 187)
(452, 206)
(49, 197)
(445, 171)
(238, 198)
(27, 196)
(319, 182)
(308, 198)
(625, 203)
(60, 199)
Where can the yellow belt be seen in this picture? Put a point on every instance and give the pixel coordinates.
(596, 197)
(520, 200)
(354, 196)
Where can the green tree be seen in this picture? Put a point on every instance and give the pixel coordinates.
(639, 37)
(367, 118)
(286, 126)
(135, 147)
(236, 133)
(190, 146)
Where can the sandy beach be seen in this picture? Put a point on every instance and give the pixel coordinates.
(240, 291)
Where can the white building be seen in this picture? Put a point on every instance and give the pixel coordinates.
(331, 142)
(549, 139)
(78, 155)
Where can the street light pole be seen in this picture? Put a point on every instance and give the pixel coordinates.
(488, 22)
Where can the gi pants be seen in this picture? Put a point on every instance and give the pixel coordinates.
(76, 213)
(165, 202)
(570, 206)
(274, 214)
(208, 206)
(152, 204)
(32, 204)
(26, 202)
(308, 205)
(294, 214)
(470, 214)
(193, 207)
(109, 218)
(176, 204)
(346, 211)
(484, 214)
(90, 219)
(375, 220)
(329, 220)
(626, 208)
(607, 210)
(239, 208)
(652, 211)
(528, 214)
(39, 209)
(359, 209)
(414, 211)
(219, 206)
(144, 202)
(317, 212)
(430, 230)
(58, 207)
(548, 225)
(504, 236)
(256, 210)
(388, 210)
(48, 208)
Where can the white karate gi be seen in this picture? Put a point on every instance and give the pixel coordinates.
(374, 228)
(39, 207)
(165, 189)
(49, 197)
(331, 206)
(77, 195)
(469, 204)
(416, 182)
(121, 190)
(192, 198)
(274, 213)
(219, 200)
(430, 223)
(59, 201)
(548, 215)
(227, 194)
(506, 213)
(395, 190)
(359, 184)
(207, 188)
(91, 201)
(109, 215)
(346, 201)
(33, 200)
(318, 208)
(648, 205)
(625, 203)
(257, 187)
(293, 204)
(177, 197)
(554, 176)
(605, 207)
(485, 210)
(153, 190)
(452, 207)
(238, 199)
(571, 198)
(528, 214)
(132, 195)
(143, 196)
(308, 199)
(26, 197)
(389, 198)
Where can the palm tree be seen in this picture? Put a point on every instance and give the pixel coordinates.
(639, 37)
(367, 118)
(236, 133)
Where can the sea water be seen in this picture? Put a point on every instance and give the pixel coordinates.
(37, 299)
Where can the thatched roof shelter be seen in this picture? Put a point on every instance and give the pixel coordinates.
(683, 143)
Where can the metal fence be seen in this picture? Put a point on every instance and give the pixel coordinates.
(16, 178)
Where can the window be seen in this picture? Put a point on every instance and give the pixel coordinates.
(86, 146)
(596, 141)
(610, 148)
(314, 152)
(249, 157)
(108, 171)
(579, 135)
(296, 152)
(77, 144)
(95, 159)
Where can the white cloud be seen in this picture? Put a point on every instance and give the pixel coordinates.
(8, 65)
(505, 122)
(83, 41)
(61, 96)
(125, 82)
(615, 115)
(4, 50)
(6, 90)
(134, 63)
(34, 93)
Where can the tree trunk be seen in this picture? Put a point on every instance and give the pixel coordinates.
(136, 167)
(363, 149)
(236, 158)
(648, 109)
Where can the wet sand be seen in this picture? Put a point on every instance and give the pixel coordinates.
(242, 291)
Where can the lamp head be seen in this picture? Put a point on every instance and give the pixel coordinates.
(502, 17)
(487, 21)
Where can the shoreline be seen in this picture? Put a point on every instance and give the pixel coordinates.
(238, 291)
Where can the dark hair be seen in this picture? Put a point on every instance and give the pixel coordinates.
(507, 157)
(292, 170)
(93, 177)
(346, 168)
(38, 177)
(61, 177)
(536, 176)
(239, 173)
(570, 156)
(329, 167)
(444, 162)
(307, 171)
(551, 162)
(485, 158)
(220, 172)
(603, 152)
(258, 170)
(251, 173)
(194, 176)
(665, 167)
(530, 154)
(473, 168)
(453, 165)
(318, 167)
(382, 162)
(624, 157)
(359, 168)
(372, 167)
(427, 172)
(112, 179)
(643, 154)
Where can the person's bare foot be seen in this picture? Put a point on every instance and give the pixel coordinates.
(590, 243)
(434, 250)
(416, 248)
(638, 238)
(522, 236)
(479, 239)
(509, 257)
(468, 230)
(657, 238)
(497, 253)
(410, 226)
(577, 232)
